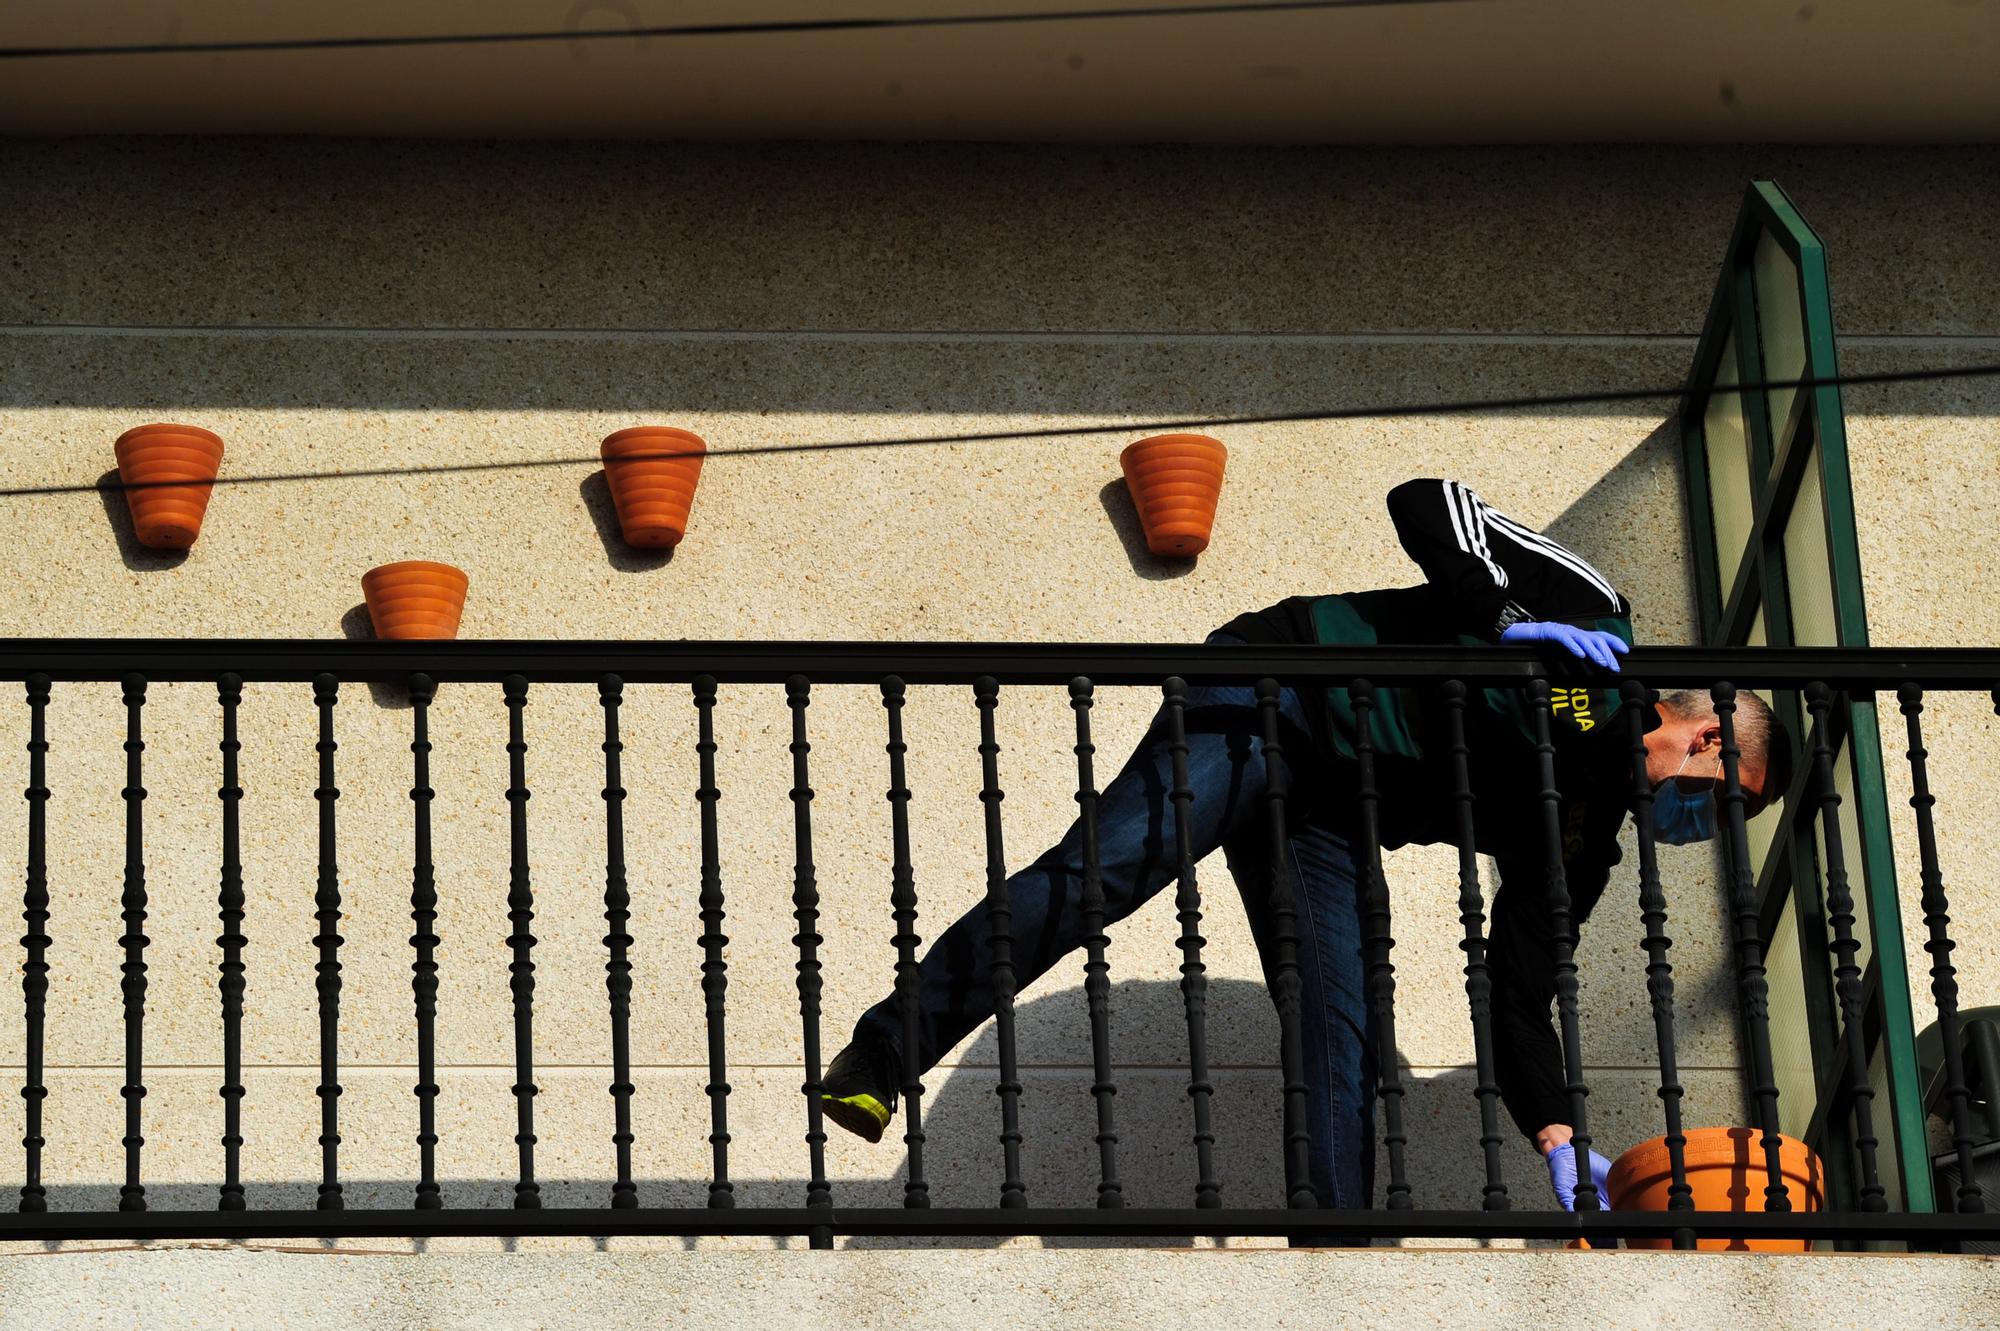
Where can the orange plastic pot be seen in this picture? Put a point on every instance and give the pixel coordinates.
(1175, 480)
(652, 471)
(168, 472)
(414, 599)
(1725, 1169)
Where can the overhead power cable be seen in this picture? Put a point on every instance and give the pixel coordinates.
(743, 28)
(1061, 432)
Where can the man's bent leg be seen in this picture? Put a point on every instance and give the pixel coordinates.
(1337, 1033)
(1136, 858)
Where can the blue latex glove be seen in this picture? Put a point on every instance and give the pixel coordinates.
(1593, 645)
(1562, 1176)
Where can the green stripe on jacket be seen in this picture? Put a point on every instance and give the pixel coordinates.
(1396, 726)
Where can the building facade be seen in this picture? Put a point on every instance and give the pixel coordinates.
(411, 348)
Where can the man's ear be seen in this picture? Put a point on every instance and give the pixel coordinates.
(1707, 736)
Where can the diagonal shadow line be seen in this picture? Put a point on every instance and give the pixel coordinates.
(737, 29)
(1062, 432)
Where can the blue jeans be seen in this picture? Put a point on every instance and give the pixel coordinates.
(1137, 857)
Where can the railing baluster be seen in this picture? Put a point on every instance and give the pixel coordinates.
(903, 909)
(1286, 986)
(229, 909)
(1639, 700)
(1478, 980)
(520, 916)
(714, 967)
(1379, 945)
(1750, 979)
(1194, 974)
(326, 911)
(1846, 949)
(805, 910)
(1000, 946)
(35, 941)
(1563, 946)
(617, 966)
(1096, 970)
(424, 969)
(132, 1194)
(1944, 976)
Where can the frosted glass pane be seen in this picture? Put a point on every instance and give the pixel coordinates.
(1727, 444)
(1759, 834)
(1759, 637)
(1888, 1164)
(1850, 845)
(1791, 1035)
(1808, 572)
(1780, 328)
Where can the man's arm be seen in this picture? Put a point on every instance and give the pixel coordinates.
(1527, 1054)
(1494, 571)
(1440, 527)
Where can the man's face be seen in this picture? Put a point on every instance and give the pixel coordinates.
(1687, 750)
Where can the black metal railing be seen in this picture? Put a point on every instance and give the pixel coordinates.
(1827, 677)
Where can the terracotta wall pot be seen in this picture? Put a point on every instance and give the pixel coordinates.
(652, 493)
(1175, 480)
(1725, 1168)
(168, 471)
(414, 599)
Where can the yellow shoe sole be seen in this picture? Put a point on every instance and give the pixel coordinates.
(863, 1115)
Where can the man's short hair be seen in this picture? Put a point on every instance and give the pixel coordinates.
(1760, 736)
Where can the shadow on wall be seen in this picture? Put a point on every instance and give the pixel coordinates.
(118, 514)
(858, 379)
(357, 626)
(1619, 523)
(961, 1120)
(596, 492)
(1124, 515)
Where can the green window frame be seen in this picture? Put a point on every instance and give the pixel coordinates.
(1776, 562)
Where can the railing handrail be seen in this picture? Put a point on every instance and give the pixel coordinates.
(679, 661)
(1597, 1227)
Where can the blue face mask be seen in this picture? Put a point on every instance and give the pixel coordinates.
(1680, 818)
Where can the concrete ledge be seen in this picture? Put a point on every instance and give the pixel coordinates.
(276, 1289)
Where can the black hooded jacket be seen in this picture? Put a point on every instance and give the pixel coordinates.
(1483, 572)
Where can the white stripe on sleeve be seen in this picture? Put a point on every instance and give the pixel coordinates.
(1535, 542)
(1464, 507)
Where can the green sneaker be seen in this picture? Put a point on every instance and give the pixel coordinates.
(859, 1089)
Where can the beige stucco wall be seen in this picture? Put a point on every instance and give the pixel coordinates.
(333, 307)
